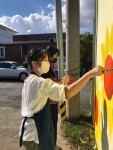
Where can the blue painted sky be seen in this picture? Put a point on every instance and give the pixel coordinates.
(38, 16)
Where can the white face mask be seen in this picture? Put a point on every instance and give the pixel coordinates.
(45, 65)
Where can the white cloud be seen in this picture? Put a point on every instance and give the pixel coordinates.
(34, 23)
(63, 1)
(45, 23)
(87, 14)
(51, 6)
(29, 31)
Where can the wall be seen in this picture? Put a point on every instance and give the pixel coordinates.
(13, 51)
(6, 35)
(104, 84)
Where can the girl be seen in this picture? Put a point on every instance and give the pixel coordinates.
(36, 128)
(53, 53)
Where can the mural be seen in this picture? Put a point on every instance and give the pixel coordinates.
(104, 84)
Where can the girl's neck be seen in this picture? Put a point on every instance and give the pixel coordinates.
(35, 71)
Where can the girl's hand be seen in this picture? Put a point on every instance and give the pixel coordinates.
(71, 80)
(98, 71)
(67, 80)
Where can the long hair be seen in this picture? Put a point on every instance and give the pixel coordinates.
(51, 50)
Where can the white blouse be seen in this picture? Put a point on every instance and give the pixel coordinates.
(35, 92)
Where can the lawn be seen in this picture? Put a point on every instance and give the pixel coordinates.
(80, 133)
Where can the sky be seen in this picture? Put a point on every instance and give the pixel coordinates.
(38, 16)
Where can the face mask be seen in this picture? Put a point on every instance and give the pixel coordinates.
(45, 65)
(54, 60)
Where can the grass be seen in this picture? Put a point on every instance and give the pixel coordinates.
(80, 133)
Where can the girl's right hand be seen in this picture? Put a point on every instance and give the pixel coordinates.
(97, 71)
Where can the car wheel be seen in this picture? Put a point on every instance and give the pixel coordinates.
(23, 76)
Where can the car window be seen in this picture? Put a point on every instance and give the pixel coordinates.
(5, 65)
(18, 65)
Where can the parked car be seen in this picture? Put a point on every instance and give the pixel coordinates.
(12, 69)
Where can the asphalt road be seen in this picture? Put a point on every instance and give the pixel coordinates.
(10, 115)
(10, 93)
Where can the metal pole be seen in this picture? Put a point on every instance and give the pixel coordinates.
(59, 36)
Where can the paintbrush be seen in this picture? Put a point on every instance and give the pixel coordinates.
(107, 70)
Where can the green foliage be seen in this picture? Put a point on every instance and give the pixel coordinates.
(80, 133)
(86, 47)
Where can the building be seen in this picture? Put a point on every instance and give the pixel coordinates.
(6, 36)
(16, 50)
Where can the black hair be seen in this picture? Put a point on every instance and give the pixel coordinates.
(35, 54)
(51, 50)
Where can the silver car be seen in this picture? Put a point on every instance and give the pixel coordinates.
(12, 69)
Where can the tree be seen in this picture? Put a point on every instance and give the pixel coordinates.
(86, 47)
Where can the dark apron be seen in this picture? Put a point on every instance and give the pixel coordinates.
(44, 127)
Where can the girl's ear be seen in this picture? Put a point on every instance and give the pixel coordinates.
(34, 64)
(46, 58)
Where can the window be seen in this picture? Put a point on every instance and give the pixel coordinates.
(2, 52)
(25, 49)
(5, 65)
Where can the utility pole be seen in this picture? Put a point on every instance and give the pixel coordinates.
(93, 91)
(73, 52)
(59, 36)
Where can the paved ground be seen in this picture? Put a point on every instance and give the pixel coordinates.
(85, 97)
(10, 117)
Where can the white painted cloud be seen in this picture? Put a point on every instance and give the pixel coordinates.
(45, 23)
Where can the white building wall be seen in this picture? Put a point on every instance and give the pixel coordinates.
(6, 35)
